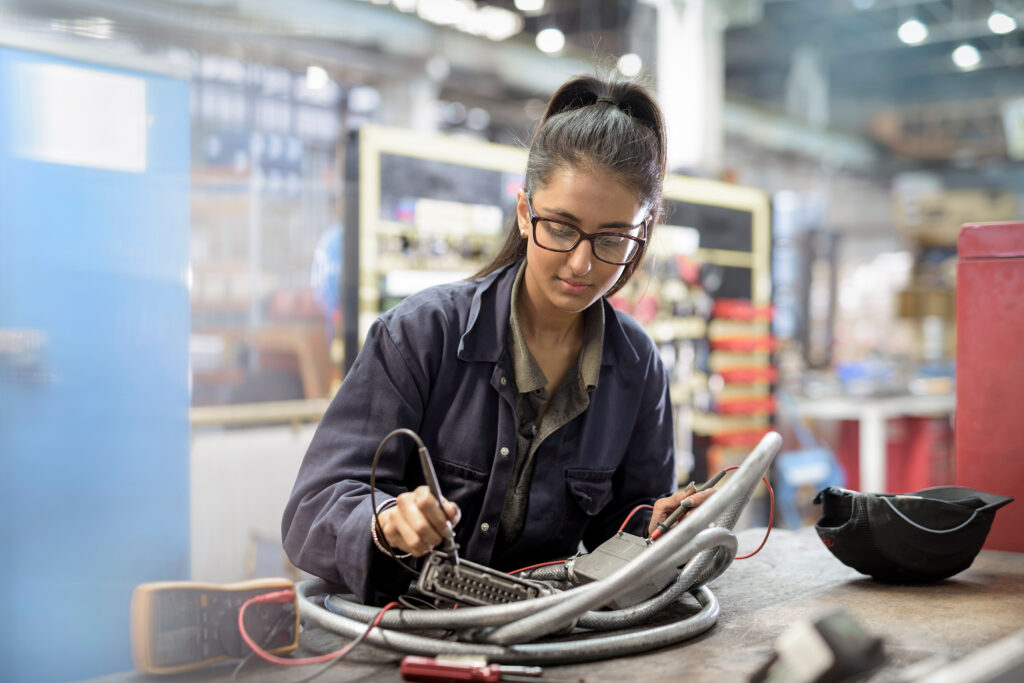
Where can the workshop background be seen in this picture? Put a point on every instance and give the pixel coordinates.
(203, 203)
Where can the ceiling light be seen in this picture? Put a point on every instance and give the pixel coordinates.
(550, 40)
(495, 23)
(529, 5)
(438, 68)
(90, 27)
(912, 32)
(363, 98)
(444, 12)
(478, 119)
(629, 64)
(966, 56)
(1001, 23)
(316, 77)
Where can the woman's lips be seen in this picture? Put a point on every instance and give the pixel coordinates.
(573, 287)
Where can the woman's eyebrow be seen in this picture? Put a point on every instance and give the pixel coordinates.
(573, 219)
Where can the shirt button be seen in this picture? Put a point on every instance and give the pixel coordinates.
(485, 527)
(504, 381)
(504, 450)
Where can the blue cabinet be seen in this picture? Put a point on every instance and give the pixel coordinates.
(94, 325)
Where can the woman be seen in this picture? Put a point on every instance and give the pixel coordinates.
(545, 411)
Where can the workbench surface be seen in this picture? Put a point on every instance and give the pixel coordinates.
(793, 578)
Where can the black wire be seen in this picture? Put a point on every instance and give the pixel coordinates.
(373, 499)
(287, 617)
(415, 602)
(362, 636)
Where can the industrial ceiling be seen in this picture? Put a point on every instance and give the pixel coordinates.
(836, 64)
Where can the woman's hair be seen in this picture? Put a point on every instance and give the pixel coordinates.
(613, 127)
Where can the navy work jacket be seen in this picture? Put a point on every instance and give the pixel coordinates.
(438, 363)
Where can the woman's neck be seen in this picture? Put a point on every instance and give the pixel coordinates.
(548, 330)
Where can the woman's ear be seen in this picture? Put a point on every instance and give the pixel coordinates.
(522, 214)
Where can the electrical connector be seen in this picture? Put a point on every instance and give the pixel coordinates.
(473, 584)
(613, 554)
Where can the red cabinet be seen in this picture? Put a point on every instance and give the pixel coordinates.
(990, 371)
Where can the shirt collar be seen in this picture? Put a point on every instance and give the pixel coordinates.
(484, 338)
(525, 369)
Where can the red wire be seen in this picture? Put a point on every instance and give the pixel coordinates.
(289, 596)
(621, 528)
(633, 512)
(771, 516)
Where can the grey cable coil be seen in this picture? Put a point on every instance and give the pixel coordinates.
(496, 615)
(736, 489)
(707, 551)
(588, 649)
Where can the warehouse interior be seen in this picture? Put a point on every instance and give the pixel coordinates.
(204, 204)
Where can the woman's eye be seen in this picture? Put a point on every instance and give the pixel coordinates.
(560, 231)
(610, 242)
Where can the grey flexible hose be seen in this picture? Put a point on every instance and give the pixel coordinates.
(739, 487)
(530, 619)
(467, 617)
(604, 620)
(580, 650)
(564, 613)
(497, 615)
(554, 572)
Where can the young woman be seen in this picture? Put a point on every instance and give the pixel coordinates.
(545, 411)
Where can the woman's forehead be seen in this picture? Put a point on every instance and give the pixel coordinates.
(584, 193)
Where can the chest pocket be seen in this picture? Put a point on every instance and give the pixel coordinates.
(463, 485)
(591, 489)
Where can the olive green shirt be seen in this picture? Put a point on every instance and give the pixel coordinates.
(570, 399)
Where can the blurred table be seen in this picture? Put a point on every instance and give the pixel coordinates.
(871, 414)
(793, 578)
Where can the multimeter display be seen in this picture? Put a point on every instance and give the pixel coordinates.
(180, 625)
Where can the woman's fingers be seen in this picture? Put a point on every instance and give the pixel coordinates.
(416, 523)
(663, 507)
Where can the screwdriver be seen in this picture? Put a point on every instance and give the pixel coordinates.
(431, 670)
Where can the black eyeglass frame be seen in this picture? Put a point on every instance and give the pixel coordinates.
(641, 241)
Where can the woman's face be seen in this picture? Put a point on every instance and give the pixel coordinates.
(559, 283)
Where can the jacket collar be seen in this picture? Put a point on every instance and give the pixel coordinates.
(487, 328)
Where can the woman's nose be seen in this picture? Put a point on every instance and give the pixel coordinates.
(581, 258)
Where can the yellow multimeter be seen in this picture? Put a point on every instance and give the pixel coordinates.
(183, 625)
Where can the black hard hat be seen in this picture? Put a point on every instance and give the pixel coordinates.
(926, 535)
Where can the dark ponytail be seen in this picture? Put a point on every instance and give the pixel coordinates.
(613, 127)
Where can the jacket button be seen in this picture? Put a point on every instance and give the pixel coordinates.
(484, 527)
(504, 450)
(504, 381)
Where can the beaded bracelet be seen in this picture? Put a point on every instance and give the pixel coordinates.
(373, 530)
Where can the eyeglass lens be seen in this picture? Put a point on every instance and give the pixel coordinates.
(610, 248)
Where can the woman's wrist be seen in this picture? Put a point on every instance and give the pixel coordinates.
(376, 533)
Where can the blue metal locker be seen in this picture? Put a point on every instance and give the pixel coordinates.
(94, 325)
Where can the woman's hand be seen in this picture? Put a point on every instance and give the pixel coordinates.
(416, 524)
(663, 507)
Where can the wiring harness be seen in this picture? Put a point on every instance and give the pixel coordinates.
(695, 551)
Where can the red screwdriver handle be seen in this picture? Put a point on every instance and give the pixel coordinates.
(429, 670)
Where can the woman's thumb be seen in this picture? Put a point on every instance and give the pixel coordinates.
(453, 512)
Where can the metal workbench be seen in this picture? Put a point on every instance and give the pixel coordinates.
(793, 578)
